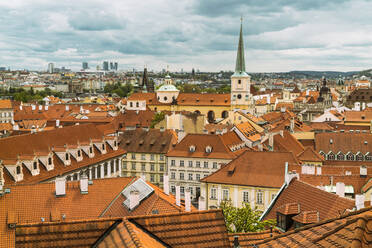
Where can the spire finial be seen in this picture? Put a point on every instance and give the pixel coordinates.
(240, 62)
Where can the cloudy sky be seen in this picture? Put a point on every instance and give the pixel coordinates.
(280, 35)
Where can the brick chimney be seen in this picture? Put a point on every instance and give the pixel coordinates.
(60, 184)
(340, 189)
(166, 184)
(84, 184)
(187, 200)
(178, 195)
(133, 199)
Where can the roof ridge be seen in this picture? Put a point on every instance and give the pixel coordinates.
(133, 235)
(174, 214)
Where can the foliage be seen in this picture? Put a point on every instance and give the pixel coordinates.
(224, 89)
(119, 89)
(244, 219)
(189, 88)
(158, 117)
(20, 94)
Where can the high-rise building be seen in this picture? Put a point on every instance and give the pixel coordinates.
(116, 66)
(111, 66)
(85, 65)
(50, 68)
(105, 65)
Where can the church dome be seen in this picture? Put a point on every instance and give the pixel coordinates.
(168, 87)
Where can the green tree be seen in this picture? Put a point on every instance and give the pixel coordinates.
(244, 219)
(190, 88)
(158, 117)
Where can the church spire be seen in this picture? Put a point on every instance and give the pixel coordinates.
(240, 62)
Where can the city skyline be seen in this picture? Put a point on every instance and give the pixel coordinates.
(280, 36)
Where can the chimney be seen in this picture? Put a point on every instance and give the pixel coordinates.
(236, 241)
(291, 125)
(84, 184)
(166, 184)
(187, 200)
(359, 201)
(340, 189)
(67, 108)
(133, 199)
(363, 171)
(260, 147)
(289, 175)
(57, 123)
(201, 203)
(178, 195)
(60, 184)
(271, 141)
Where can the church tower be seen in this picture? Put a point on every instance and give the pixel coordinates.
(241, 97)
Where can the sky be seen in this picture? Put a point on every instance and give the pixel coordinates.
(280, 35)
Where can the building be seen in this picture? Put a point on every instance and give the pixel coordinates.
(6, 111)
(105, 65)
(68, 152)
(254, 178)
(146, 153)
(50, 68)
(198, 155)
(85, 66)
(63, 201)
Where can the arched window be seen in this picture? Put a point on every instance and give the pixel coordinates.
(18, 170)
(239, 96)
(350, 157)
(225, 114)
(359, 157)
(331, 156)
(165, 98)
(90, 149)
(239, 81)
(211, 116)
(49, 161)
(340, 156)
(66, 156)
(35, 165)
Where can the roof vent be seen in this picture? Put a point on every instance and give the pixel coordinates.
(192, 148)
(330, 141)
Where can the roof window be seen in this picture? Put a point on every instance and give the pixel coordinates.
(192, 148)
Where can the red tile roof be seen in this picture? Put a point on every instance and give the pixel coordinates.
(6, 104)
(248, 239)
(260, 169)
(344, 142)
(309, 155)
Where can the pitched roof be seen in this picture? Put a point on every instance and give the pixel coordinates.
(310, 198)
(309, 155)
(264, 169)
(221, 146)
(344, 142)
(200, 99)
(194, 229)
(6, 104)
(250, 238)
(286, 143)
(151, 141)
(350, 230)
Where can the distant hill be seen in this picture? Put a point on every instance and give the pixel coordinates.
(327, 74)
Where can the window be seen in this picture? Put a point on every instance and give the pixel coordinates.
(105, 170)
(182, 163)
(18, 170)
(197, 177)
(143, 156)
(133, 156)
(66, 156)
(133, 166)
(190, 163)
(117, 165)
(173, 162)
(161, 167)
(79, 153)
(213, 193)
(190, 177)
(103, 146)
(35, 165)
(137, 104)
(90, 150)
(115, 143)
(112, 166)
(161, 157)
(340, 156)
(182, 176)
(280, 219)
(98, 171)
(173, 175)
(94, 173)
(368, 158)
(152, 167)
(49, 161)
(259, 197)
(152, 178)
(143, 167)
(191, 190)
(205, 164)
(124, 165)
(350, 157)
(245, 196)
(173, 189)
(161, 178)
(225, 194)
(152, 157)
(182, 190)
(214, 165)
(359, 157)
(198, 164)
(131, 104)
(331, 156)
(205, 175)
(239, 81)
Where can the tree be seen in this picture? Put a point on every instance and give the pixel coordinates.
(158, 117)
(244, 219)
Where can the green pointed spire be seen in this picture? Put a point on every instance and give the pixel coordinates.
(240, 62)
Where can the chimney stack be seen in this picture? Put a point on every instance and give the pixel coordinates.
(271, 141)
(359, 201)
(60, 184)
(187, 200)
(166, 184)
(340, 189)
(57, 123)
(178, 195)
(133, 199)
(201, 203)
(84, 184)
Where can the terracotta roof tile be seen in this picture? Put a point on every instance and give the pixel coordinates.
(309, 155)
(6, 104)
(289, 208)
(250, 238)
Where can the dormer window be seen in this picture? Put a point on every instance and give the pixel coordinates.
(18, 170)
(35, 165)
(115, 143)
(49, 161)
(79, 153)
(90, 150)
(67, 157)
(103, 146)
(208, 149)
(192, 148)
(239, 81)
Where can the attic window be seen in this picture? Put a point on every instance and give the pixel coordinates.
(18, 170)
(365, 142)
(197, 100)
(103, 146)
(79, 153)
(141, 142)
(225, 100)
(90, 150)
(363, 117)
(115, 143)
(212, 100)
(192, 148)
(66, 156)
(208, 149)
(128, 142)
(49, 160)
(330, 141)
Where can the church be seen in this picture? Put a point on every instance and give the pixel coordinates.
(213, 106)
